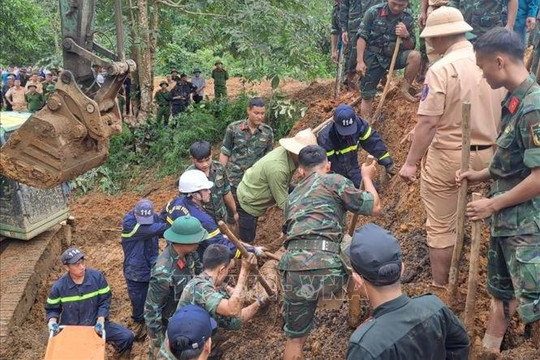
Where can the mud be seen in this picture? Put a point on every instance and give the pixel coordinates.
(97, 231)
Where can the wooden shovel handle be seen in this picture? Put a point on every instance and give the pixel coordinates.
(370, 159)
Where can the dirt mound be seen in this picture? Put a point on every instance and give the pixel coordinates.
(97, 231)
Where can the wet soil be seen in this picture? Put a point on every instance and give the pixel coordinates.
(97, 232)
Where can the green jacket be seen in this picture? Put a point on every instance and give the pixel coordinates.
(167, 281)
(518, 152)
(245, 149)
(162, 98)
(201, 291)
(266, 183)
(317, 210)
(216, 208)
(423, 326)
(34, 101)
(352, 12)
(220, 77)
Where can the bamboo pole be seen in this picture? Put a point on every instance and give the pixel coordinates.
(474, 264)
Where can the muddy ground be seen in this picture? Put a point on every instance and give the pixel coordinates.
(97, 232)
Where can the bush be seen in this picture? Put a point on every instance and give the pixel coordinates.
(163, 149)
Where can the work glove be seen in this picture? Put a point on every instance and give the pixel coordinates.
(100, 324)
(54, 327)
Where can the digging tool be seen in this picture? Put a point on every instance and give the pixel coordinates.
(339, 75)
(322, 125)
(476, 238)
(355, 309)
(377, 115)
(462, 198)
(225, 229)
(268, 254)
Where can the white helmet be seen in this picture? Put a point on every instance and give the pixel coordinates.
(192, 181)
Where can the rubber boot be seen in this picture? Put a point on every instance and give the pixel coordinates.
(404, 90)
(139, 331)
(440, 260)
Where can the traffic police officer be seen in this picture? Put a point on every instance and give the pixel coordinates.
(345, 136)
(141, 230)
(400, 326)
(452, 80)
(83, 297)
(175, 266)
(514, 202)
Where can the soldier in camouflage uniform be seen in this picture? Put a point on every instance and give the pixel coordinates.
(162, 98)
(220, 76)
(221, 198)
(484, 15)
(377, 38)
(175, 266)
(351, 14)
(315, 223)
(210, 291)
(514, 203)
(245, 142)
(536, 52)
(335, 31)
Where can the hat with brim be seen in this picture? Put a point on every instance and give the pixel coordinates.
(186, 230)
(197, 70)
(218, 62)
(32, 85)
(445, 21)
(163, 82)
(174, 71)
(71, 256)
(299, 141)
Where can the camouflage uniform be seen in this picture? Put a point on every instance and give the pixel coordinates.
(169, 276)
(536, 43)
(351, 14)
(514, 252)
(482, 15)
(378, 29)
(216, 207)
(244, 148)
(202, 292)
(163, 101)
(164, 352)
(335, 28)
(316, 221)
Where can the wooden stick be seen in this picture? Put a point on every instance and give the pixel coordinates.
(330, 119)
(352, 226)
(225, 229)
(474, 264)
(462, 198)
(355, 308)
(337, 86)
(388, 81)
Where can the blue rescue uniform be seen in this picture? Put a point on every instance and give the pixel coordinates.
(342, 151)
(73, 304)
(140, 244)
(182, 206)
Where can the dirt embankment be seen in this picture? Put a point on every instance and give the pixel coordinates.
(98, 219)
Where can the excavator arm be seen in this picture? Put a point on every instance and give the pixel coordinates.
(70, 135)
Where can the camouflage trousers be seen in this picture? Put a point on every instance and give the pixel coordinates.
(514, 272)
(301, 292)
(350, 55)
(163, 114)
(377, 66)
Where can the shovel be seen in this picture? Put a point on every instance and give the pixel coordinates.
(378, 116)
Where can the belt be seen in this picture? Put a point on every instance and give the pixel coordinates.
(317, 244)
(480, 147)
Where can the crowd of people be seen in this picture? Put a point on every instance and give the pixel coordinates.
(178, 91)
(179, 297)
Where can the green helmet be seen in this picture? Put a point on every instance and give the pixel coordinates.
(186, 230)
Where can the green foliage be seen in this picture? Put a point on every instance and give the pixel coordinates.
(159, 149)
(27, 34)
